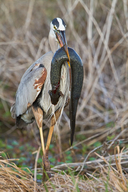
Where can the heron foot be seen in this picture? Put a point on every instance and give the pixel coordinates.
(46, 166)
(46, 161)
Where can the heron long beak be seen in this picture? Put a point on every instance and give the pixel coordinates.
(63, 43)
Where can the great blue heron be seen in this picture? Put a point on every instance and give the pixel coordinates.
(33, 99)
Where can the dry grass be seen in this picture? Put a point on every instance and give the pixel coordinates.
(97, 30)
(98, 34)
(105, 178)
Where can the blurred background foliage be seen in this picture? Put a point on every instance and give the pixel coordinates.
(97, 31)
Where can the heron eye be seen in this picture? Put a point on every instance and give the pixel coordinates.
(55, 27)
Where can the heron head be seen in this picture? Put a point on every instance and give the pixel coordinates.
(57, 29)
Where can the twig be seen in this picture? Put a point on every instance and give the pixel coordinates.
(35, 169)
(29, 15)
(94, 164)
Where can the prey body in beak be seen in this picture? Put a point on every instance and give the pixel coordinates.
(77, 81)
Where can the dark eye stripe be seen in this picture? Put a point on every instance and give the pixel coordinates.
(55, 23)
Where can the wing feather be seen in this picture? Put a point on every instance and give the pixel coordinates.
(29, 88)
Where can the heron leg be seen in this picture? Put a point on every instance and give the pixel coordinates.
(53, 122)
(45, 156)
(38, 114)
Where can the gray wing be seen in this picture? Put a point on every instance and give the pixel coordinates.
(26, 93)
(29, 88)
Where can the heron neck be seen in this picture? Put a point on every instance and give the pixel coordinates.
(52, 42)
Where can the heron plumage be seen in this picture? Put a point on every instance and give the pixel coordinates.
(27, 93)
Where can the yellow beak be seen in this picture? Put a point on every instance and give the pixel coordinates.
(63, 43)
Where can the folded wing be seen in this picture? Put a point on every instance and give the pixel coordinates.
(29, 88)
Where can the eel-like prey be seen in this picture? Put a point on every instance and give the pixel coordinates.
(59, 58)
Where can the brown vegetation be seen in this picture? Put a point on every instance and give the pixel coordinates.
(108, 178)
